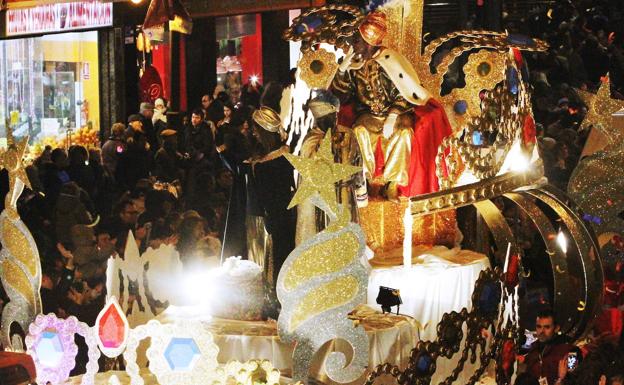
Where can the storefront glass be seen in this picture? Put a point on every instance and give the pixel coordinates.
(49, 84)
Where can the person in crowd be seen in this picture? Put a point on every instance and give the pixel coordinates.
(54, 175)
(124, 220)
(225, 125)
(69, 211)
(545, 355)
(112, 149)
(146, 110)
(168, 161)
(79, 170)
(159, 120)
(134, 162)
(274, 182)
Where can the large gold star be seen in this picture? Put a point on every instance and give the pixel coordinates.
(319, 176)
(600, 108)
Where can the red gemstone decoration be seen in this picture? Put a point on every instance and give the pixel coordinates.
(112, 328)
(511, 277)
(508, 356)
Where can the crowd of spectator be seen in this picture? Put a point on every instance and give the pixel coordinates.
(165, 182)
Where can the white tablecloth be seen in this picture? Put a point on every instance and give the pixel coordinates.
(438, 282)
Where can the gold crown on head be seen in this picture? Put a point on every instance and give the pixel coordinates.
(374, 28)
(267, 118)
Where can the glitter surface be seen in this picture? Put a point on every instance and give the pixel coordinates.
(17, 244)
(600, 107)
(15, 277)
(597, 186)
(328, 257)
(324, 297)
(320, 174)
(323, 279)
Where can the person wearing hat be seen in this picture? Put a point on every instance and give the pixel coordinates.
(389, 103)
(324, 108)
(274, 185)
(168, 161)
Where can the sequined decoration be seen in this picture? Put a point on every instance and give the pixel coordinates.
(600, 108)
(20, 266)
(323, 279)
(597, 186)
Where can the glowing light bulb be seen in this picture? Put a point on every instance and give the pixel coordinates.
(253, 79)
(136, 1)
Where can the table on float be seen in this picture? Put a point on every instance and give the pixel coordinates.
(440, 280)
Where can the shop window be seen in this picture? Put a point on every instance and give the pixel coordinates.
(49, 85)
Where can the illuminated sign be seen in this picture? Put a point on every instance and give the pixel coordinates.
(58, 17)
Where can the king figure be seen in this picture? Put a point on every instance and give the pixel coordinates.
(398, 125)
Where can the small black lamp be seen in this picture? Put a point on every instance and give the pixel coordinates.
(389, 297)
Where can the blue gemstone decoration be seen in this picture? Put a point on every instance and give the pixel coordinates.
(490, 298)
(512, 80)
(460, 107)
(516, 39)
(477, 138)
(423, 363)
(181, 354)
(49, 349)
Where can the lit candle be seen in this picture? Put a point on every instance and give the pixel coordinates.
(407, 238)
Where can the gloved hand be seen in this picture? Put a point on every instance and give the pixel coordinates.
(388, 127)
(347, 60)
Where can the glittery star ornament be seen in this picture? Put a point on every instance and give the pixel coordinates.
(320, 174)
(600, 108)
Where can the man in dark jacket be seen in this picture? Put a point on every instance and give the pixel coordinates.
(168, 161)
(544, 357)
(113, 148)
(199, 142)
(135, 160)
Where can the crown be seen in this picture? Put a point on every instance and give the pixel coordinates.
(374, 28)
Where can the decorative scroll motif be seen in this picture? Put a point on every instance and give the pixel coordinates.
(20, 266)
(323, 279)
(494, 312)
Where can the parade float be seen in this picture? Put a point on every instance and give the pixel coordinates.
(444, 251)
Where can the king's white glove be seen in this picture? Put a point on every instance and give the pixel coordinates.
(347, 59)
(388, 127)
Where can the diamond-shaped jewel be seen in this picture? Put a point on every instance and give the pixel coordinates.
(111, 328)
(49, 349)
(182, 354)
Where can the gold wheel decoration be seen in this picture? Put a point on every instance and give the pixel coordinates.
(318, 68)
(503, 115)
(577, 271)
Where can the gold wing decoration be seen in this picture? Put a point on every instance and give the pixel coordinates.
(323, 279)
(487, 53)
(20, 266)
